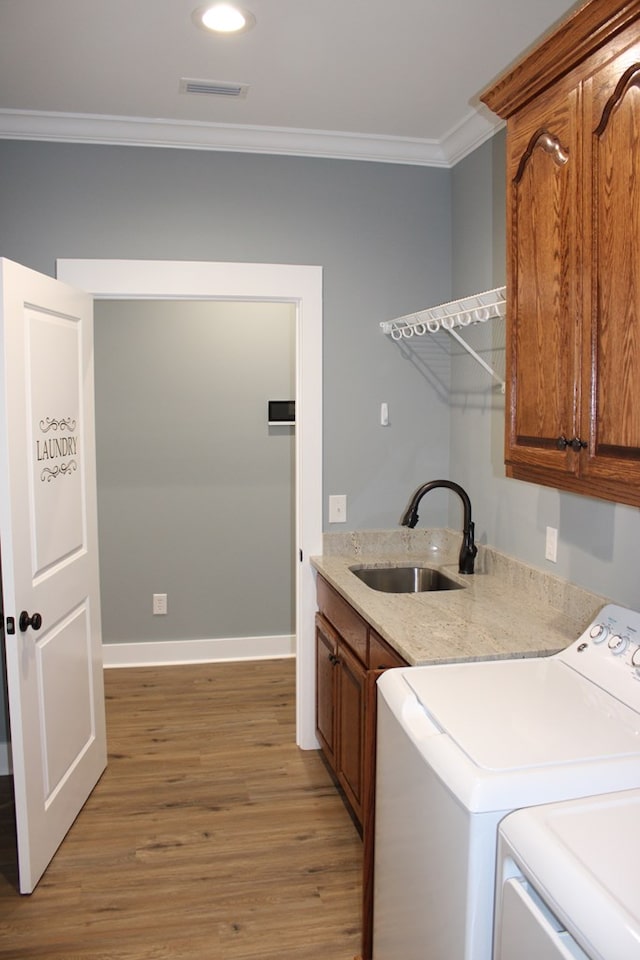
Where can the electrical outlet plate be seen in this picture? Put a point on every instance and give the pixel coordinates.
(159, 604)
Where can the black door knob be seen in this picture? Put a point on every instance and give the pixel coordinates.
(26, 621)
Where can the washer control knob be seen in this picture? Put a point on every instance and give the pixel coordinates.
(618, 644)
(598, 632)
(635, 658)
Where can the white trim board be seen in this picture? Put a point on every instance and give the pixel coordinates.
(159, 653)
(462, 139)
(298, 284)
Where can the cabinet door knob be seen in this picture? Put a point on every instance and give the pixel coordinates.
(576, 444)
(333, 659)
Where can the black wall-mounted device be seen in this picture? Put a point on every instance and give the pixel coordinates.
(282, 411)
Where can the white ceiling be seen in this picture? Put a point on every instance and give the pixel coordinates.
(388, 80)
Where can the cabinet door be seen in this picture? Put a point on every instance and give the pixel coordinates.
(326, 687)
(612, 298)
(351, 728)
(543, 333)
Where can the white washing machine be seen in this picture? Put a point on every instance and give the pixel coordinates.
(462, 745)
(568, 884)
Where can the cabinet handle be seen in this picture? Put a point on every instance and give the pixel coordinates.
(576, 444)
(553, 147)
(333, 659)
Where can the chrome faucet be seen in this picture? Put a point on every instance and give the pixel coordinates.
(468, 550)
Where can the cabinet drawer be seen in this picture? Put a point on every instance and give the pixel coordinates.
(381, 655)
(352, 629)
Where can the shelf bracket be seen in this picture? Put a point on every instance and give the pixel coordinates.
(481, 361)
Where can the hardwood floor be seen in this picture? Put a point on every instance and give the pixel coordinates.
(209, 837)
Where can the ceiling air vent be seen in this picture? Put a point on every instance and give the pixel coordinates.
(214, 88)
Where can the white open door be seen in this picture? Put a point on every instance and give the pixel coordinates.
(49, 558)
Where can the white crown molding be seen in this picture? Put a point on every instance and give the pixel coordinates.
(134, 131)
(470, 133)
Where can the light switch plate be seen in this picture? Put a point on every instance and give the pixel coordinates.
(551, 548)
(338, 508)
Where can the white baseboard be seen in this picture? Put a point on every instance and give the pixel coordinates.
(6, 766)
(155, 653)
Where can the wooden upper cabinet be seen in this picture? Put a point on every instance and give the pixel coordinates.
(573, 248)
(544, 337)
(612, 239)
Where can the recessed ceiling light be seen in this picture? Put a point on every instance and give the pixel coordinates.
(223, 18)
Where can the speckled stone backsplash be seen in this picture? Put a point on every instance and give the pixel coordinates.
(442, 545)
(394, 543)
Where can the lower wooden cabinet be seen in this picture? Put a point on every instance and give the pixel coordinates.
(340, 712)
(351, 689)
(326, 661)
(350, 656)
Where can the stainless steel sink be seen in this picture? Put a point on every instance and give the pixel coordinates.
(405, 579)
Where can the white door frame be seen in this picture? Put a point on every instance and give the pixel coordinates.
(302, 285)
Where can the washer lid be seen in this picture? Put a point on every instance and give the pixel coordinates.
(522, 714)
(583, 858)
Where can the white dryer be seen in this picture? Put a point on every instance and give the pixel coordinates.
(568, 883)
(462, 745)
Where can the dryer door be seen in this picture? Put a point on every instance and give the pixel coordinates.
(527, 930)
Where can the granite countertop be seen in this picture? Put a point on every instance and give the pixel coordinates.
(506, 609)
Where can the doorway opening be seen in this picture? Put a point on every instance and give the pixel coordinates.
(196, 485)
(296, 284)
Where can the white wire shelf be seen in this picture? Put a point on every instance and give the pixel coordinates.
(477, 308)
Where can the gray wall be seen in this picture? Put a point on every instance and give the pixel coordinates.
(192, 481)
(381, 232)
(596, 540)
